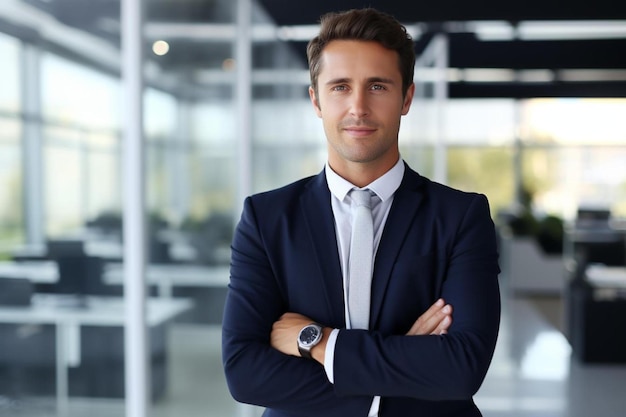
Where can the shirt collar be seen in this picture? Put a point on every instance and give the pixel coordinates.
(384, 187)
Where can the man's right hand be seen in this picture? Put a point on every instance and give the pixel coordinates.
(436, 320)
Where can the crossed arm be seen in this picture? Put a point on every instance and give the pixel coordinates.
(436, 320)
(257, 332)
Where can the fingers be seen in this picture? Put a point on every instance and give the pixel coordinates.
(436, 320)
(444, 325)
(424, 324)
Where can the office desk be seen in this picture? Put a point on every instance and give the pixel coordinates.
(206, 285)
(164, 276)
(106, 249)
(111, 250)
(58, 310)
(596, 245)
(168, 276)
(39, 272)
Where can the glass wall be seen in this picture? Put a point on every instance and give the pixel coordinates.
(476, 144)
(572, 155)
(80, 108)
(11, 229)
(61, 115)
(289, 142)
(11, 220)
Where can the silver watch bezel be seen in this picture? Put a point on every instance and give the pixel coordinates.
(305, 347)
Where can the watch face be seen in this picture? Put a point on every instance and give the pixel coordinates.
(308, 335)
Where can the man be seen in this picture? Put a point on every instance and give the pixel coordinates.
(303, 337)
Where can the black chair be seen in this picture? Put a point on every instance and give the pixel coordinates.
(15, 291)
(594, 321)
(26, 350)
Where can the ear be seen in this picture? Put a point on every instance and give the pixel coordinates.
(408, 99)
(315, 102)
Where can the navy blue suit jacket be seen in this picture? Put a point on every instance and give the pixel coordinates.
(437, 242)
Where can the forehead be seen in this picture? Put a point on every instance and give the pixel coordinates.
(352, 58)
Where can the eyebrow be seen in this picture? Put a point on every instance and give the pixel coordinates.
(369, 80)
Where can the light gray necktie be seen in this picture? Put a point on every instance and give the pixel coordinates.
(361, 260)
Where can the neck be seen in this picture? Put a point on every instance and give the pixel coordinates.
(360, 174)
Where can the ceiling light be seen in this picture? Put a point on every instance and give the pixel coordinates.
(297, 33)
(590, 29)
(488, 75)
(544, 30)
(492, 30)
(581, 75)
(160, 48)
(535, 76)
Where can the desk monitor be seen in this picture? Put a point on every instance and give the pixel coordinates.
(15, 291)
(79, 274)
(607, 252)
(593, 217)
(58, 248)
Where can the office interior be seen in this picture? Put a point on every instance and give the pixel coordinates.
(524, 103)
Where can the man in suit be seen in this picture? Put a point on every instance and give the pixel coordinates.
(293, 342)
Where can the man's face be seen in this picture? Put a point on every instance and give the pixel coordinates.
(360, 102)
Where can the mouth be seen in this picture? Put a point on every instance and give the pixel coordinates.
(359, 131)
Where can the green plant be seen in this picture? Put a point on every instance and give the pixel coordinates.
(524, 224)
(549, 234)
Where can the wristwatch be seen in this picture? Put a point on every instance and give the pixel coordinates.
(309, 336)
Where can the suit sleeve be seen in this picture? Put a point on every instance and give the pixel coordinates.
(448, 367)
(255, 372)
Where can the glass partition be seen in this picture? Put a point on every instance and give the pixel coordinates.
(10, 98)
(65, 86)
(11, 182)
(11, 213)
(572, 155)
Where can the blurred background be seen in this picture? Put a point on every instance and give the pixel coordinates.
(524, 102)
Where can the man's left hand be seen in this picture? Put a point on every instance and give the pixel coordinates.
(285, 332)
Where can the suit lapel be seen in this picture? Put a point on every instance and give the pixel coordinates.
(320, 223)
(406, 202)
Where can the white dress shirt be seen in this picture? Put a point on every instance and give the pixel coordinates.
(384, 189)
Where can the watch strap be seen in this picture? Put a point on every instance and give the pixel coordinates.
(305, 352)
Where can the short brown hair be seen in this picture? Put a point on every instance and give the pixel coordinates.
(364, 25)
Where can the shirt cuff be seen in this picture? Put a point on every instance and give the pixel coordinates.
(329, 355)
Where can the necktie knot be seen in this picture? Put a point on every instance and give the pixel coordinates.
(361, 197)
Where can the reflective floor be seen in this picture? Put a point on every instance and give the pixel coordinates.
(532, 374)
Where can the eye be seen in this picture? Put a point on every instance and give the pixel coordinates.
(378, 87)
(339, 88)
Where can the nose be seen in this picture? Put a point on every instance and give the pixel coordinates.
(359, 106)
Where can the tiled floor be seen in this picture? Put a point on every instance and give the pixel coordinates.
(532, 375)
